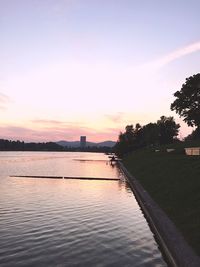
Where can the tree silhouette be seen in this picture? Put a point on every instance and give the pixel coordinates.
(127, 141)
(163, 132)
(195, 135)
(149, 135)
(187, 102)
(168, 129)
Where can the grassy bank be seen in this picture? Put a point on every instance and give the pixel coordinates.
(173, 181)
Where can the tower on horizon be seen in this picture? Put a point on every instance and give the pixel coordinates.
(83, 141)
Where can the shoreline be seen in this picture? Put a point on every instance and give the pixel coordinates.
(171, 241)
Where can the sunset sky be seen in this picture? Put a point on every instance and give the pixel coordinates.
(88, 67)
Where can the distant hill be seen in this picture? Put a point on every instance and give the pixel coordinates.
(68, 144)
(106, 143)
(90, 144)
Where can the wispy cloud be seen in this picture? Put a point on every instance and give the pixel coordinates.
(47, 122)
(50, 124)
(179, 53)
(116, 118)
(44, 134)
(118, 121)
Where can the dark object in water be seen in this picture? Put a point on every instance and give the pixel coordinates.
(65, 177)
(37, 176)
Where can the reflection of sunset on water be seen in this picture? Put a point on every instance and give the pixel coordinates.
(94, 221)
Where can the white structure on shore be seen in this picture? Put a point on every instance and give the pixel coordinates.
(192, 151)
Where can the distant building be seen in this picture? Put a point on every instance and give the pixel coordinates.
(83, 141)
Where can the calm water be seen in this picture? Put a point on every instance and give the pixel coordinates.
(50, 222)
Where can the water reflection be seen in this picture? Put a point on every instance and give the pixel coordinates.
(47, 222)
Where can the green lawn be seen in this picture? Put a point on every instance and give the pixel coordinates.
(173, 181)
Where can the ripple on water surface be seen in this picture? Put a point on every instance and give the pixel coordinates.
(45, 222)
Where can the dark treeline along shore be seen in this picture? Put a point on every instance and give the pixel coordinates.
(8, 145)
(156, 157)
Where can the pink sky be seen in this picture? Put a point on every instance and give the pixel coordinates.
(71, 69)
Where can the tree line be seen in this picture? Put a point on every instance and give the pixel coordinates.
(165, 130)
(8, 145)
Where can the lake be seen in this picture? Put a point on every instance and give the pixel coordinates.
(64, 222)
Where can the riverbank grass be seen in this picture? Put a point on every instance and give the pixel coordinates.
(173, 181)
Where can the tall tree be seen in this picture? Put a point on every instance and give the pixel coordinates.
(168, 129)
(149, 135)
(195, 135)
(127, 141)
(187, 102)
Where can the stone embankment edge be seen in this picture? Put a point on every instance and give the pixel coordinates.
(172, 243)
